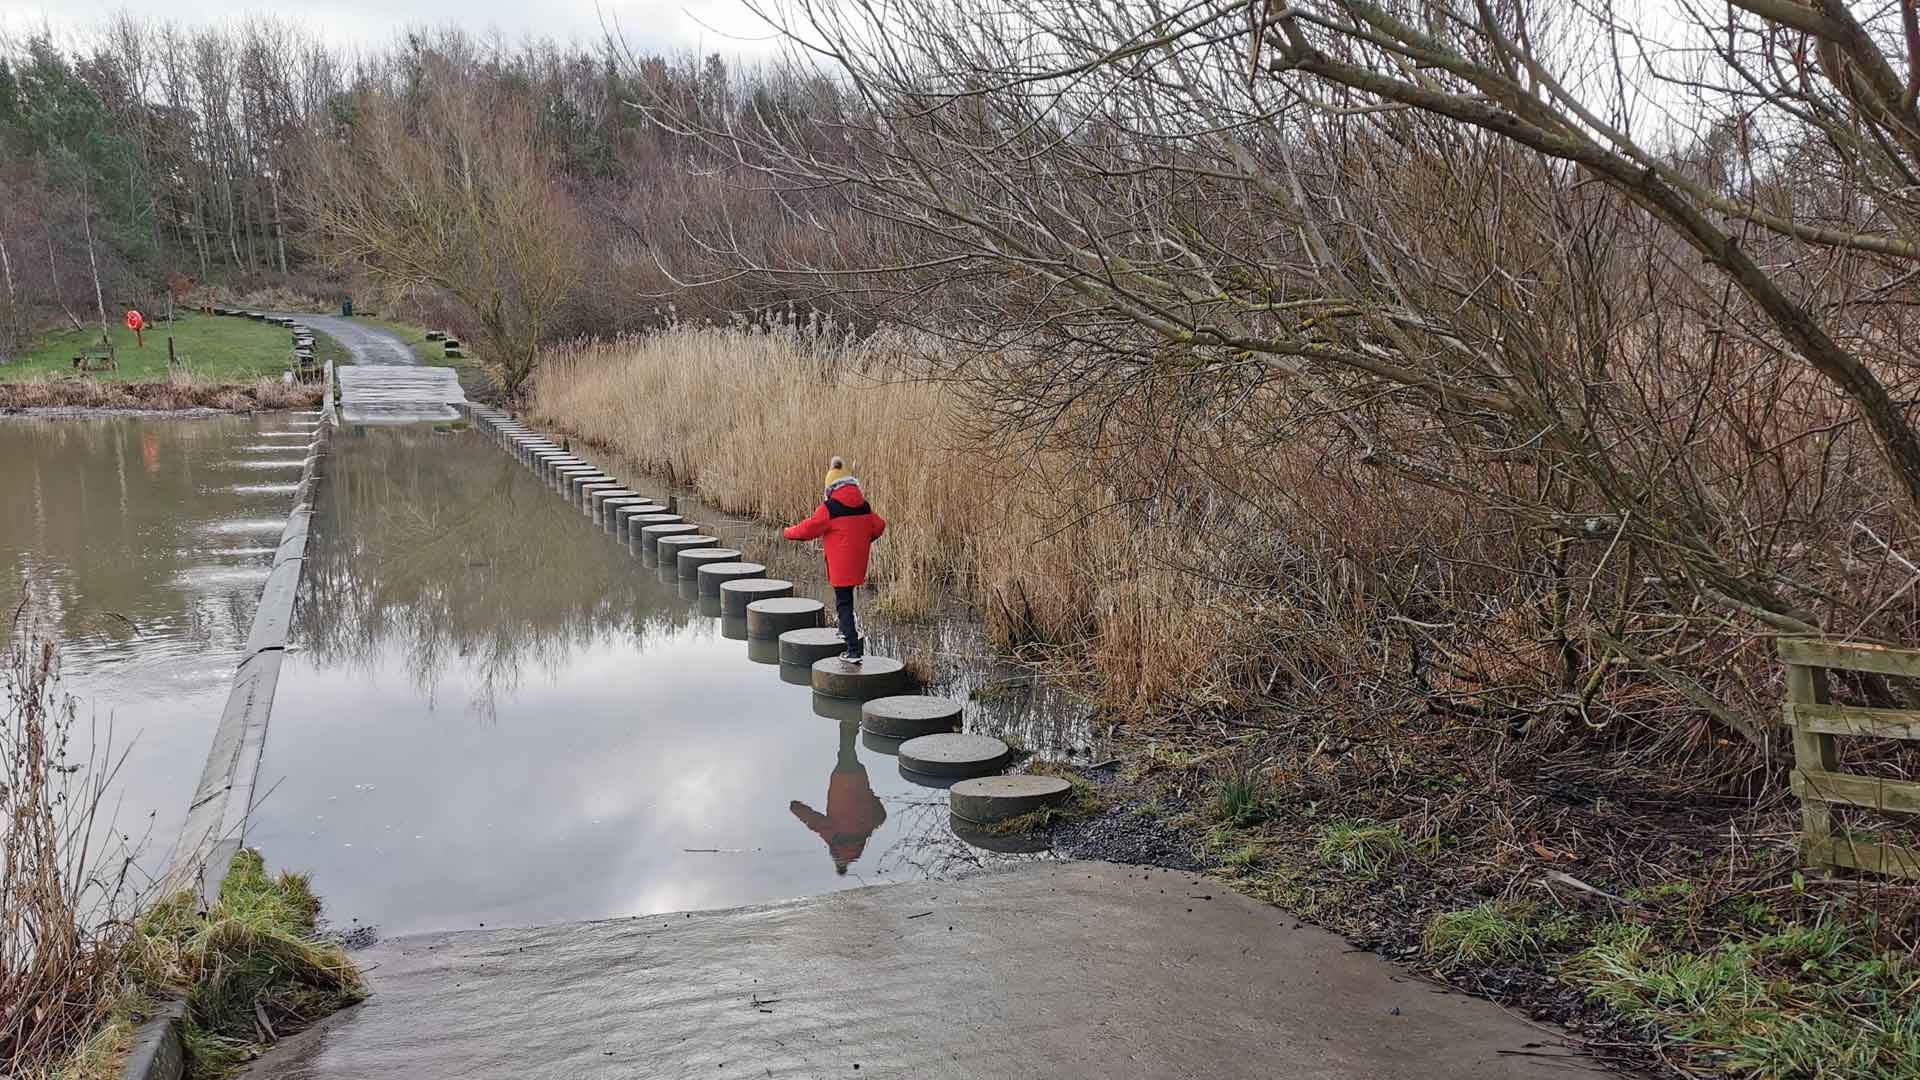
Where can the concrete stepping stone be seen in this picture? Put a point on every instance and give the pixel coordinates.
(712, 575)
(919, 779)
(690, 563)
(796, 676)
(610, 509)
(601, 495)
(763, 651)
(668, 549)
(800, 648)
(688, 591)
(734, 627)
(954, 755)
(847, 712)
(909, 716)
(736, 595)
(583, 492)
(770, 618)
(999, 843)
(565, 475)
(709, 605)
(985, 800)
(629, 526)
(650, 534)
(880, 744)
(875, 677)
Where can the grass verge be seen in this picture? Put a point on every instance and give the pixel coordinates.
(252, 969)
(210, 348)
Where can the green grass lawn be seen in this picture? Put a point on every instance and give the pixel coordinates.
(213, 348)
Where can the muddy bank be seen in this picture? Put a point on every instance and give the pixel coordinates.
(68, 397)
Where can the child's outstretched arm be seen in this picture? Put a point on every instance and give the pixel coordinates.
(811, 529)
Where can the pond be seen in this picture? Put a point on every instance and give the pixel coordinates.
(494, 714)
(140, 545)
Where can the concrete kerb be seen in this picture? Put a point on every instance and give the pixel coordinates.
(160, 1047)
(215, 827)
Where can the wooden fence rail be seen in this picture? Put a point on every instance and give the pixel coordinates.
(1817, 778)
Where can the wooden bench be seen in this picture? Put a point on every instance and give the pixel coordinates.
(95, 357)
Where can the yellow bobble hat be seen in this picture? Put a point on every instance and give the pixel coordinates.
(836, 471)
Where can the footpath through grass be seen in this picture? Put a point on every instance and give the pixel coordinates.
(212, 348)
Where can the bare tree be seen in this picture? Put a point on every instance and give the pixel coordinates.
(1424, 237)
(460, 198)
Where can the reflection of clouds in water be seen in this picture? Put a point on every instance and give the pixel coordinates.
(634, 762)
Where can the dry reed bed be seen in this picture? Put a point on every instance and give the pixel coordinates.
(749, 419)
(167, 396)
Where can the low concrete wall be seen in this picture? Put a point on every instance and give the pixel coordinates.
(217, 816)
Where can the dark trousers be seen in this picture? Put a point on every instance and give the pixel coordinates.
(843, 603)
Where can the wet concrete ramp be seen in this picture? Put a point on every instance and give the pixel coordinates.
(1050, 970)
(375, 394)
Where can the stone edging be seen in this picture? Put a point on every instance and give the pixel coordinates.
(217, 816)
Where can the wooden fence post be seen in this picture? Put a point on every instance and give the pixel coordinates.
(1817, 778)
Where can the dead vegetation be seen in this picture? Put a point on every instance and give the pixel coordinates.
(172, 395)
(86, 953)
(62, 899)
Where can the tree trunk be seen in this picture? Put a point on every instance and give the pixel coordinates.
(53, 281)
(99, 300)
(279, 223)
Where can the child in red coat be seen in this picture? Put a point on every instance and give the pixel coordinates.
(850, 527)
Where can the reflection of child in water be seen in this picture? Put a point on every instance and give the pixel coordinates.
(853, 812)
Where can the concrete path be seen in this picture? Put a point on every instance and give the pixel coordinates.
(368, 344)
(385, 384)
(1056, 970)
(386, 394)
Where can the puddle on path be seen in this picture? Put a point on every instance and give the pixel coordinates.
(146, 564)
(495, 714)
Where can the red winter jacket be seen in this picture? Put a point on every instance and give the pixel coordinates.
(850, 527)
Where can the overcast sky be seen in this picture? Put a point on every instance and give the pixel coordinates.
(724, 26)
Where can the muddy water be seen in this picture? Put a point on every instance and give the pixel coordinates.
(495, 714)
(143, 543)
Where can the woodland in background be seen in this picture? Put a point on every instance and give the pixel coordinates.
(155, 153)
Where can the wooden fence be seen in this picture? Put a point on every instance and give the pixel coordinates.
(1817, 778)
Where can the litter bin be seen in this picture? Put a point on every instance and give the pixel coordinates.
(346, 308)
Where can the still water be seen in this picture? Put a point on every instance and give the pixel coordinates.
(140, 545)
(495, 714)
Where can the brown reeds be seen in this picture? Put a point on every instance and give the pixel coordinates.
(171, 395)
(1057, 564)
(60, 938)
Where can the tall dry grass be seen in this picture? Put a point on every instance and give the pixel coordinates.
(750, 416)
(182, 392)
(60, 934)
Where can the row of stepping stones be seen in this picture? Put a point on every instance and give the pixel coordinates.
(922, 730)
(448, 341)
